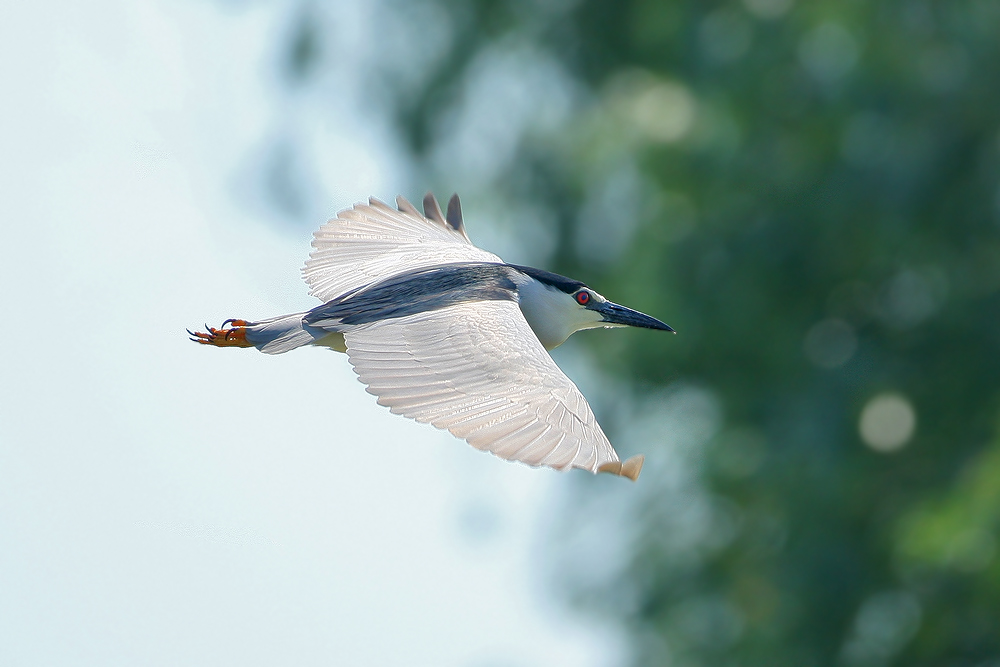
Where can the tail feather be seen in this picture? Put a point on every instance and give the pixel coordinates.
(281, 334)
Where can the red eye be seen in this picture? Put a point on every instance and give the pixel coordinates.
(583, 297)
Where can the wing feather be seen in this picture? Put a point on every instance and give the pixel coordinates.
(477, 370)
(373, 241)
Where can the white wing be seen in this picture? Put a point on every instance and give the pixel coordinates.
(374, 241)
(477, 370)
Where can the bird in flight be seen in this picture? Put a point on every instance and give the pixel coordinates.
(448, 334)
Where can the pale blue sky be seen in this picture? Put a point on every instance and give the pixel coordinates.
(165, 504)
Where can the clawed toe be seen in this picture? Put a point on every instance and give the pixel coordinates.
(233, 333)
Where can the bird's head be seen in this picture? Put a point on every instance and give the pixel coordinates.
(556, 307)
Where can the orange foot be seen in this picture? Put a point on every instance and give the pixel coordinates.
(233, 336)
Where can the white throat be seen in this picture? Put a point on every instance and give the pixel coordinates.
(551, 313)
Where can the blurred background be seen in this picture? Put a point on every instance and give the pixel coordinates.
(809, 192)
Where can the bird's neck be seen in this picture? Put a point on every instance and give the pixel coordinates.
(549, 312)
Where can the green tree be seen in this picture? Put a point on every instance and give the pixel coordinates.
(810, 193)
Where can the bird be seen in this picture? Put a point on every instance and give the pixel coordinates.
(446, 333)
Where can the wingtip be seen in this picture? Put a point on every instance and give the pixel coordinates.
(432, 210)
(614, 467)
(405, 206)
(633, 466)
(629, 468)
(454, 214)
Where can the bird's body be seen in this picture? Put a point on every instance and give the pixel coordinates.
(448, 334)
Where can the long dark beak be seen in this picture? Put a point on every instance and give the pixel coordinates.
(626, 317)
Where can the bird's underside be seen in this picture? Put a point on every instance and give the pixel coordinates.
(432, 326)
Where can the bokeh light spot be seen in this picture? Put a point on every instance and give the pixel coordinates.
(887, 422)
(828, 52)
(662, 110)
(885, 623)
(910, 297)
(830, 343)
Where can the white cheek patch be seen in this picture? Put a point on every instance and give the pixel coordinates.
(589, 319)
(554, 315)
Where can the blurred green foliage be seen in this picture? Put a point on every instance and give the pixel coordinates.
(809, 192)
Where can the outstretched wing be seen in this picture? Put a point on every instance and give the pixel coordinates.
(478, 370)
(374, 241)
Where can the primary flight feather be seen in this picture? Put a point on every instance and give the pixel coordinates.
(448, 334)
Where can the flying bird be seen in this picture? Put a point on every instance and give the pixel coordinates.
(448, 334)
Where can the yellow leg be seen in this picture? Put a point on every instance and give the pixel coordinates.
(233, 333)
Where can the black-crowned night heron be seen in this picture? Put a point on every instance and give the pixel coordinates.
(448, 334)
